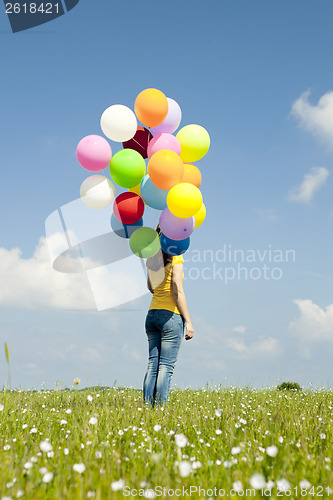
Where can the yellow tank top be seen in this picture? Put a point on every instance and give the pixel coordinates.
(163, 297)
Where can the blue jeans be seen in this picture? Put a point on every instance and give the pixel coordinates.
(165, 331)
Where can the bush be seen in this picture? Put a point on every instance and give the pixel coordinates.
(289, 386)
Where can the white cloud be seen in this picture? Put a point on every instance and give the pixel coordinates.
(239, 329)
(317, 119)
(314, 323)
(133, 353)
(264, 346)
(310, 184)
(33, 283)
(267, 214)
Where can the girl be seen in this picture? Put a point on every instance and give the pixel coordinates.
(165, 322)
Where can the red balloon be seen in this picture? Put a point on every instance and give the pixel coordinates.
(128, 207)
(140, 141)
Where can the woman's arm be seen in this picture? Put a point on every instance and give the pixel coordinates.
(179, 295)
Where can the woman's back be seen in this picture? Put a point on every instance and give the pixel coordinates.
(161, 281)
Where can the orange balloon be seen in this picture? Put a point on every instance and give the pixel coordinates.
(191, 174)
(165, 169)
(151, 107)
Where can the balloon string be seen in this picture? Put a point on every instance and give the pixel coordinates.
(138, 143)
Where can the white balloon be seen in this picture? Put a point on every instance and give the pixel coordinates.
(119, 123)
(97, 191)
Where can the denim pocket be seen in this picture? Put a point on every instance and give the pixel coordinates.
(149, 320)
(164, 319)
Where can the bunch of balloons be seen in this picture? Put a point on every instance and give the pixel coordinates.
(170, 183)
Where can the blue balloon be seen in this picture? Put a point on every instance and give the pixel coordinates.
(153, 195)
(174, 247)
(124, 230)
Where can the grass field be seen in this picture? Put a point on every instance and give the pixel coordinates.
(104, 443)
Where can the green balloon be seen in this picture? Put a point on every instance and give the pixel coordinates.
(127, 168)
(145, 242)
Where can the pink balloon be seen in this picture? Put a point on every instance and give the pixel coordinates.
(94, 153)
(176, 228)
(163, 141)
(172, 120)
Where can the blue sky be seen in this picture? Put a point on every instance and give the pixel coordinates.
(241, 70)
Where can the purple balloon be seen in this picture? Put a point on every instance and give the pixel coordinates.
(176, 228)
(172, 120)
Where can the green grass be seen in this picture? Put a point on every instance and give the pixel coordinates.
(124, 445)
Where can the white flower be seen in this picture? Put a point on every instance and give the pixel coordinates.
(283, 485)
(157, 427)
(272, 450)
(68, 411)
(79, 468)
(50, 454)
(66, 451)
(218, 413)
(43, 470)
(28, 465)
(181, 440)
(98, 454)
(185, 468)
(218, 432)
(120, 432)
(304, 483)
(6, 498)
(19, 494)
(47, 478)
(280, 439)
(237, 486)
(33, 430)
(89, 398)
(242, 421)
(93, 421)
(196, 464)
(270, 484)
(1, 407)
(91, 494)
(6, 447)
(149, 493)
(227, 464)
(117, 485)
(235, 450)
(323, 436)
(24, 426)
(34, 460)
(257, 481)
(63, 422)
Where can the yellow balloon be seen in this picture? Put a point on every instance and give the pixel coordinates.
(200, 216)
(184, 200)
(135, 189)
(194, 141)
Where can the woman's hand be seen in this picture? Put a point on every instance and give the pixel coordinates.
(189, 330)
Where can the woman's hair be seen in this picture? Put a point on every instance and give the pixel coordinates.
(167, 259)
(155, 263)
